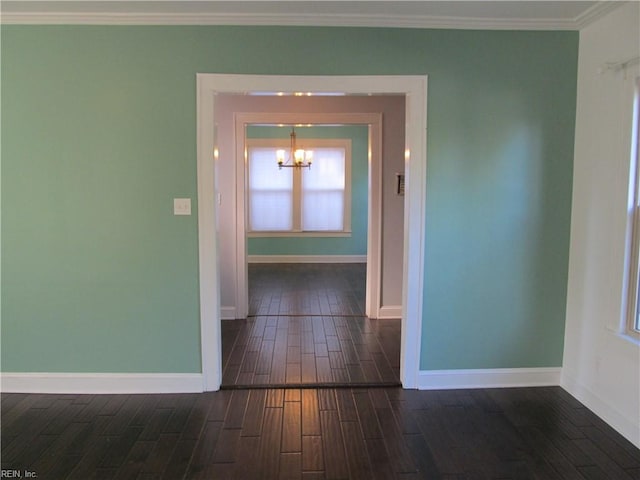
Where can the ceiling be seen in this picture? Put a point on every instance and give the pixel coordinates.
(528, 15)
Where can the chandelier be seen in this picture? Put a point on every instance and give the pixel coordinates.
(297, 157)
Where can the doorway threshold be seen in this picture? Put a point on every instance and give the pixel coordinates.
(291, 386)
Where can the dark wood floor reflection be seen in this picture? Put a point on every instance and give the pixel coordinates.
(307, 327)
(377, 433)
(308, 350)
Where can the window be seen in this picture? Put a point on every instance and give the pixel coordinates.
(315, 201)
(633, 314)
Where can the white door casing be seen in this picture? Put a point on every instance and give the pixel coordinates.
(374, 252)
(415, 89)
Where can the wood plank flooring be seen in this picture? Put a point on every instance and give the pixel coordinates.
(359, 433)
(304, 351)
(307, 289)
(312, 433)
(307, 327)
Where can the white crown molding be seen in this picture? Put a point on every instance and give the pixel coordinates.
(596, 12)
(392, 21)
(335, 20)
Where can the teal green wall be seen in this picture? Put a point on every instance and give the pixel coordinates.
(98, 136)
(356, 244)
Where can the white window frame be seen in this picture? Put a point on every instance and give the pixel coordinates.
(308, 144)
(632, 325)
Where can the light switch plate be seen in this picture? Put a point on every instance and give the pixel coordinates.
(182, 206)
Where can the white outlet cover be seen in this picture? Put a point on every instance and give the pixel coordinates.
(182, 206)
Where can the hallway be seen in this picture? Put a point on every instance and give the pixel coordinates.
(307, 328)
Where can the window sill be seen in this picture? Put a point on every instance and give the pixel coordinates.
(628, 336)
(341, 234)
(631, 337)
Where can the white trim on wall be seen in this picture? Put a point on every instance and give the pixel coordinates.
(390, 311)
(307, 258)
(414, 87)
(83, 13)
(228, 313)
(139, 383)
(331, 234)
(488, 378)
(209, 272)
(98, 383)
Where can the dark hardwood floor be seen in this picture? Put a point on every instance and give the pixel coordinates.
(312, 433)
(307, 327)
(360, 433)
(307, 289)
(304, 351)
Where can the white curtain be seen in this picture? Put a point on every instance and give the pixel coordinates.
(323, 191)
(271, 192)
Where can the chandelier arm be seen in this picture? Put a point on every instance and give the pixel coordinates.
(294, 159)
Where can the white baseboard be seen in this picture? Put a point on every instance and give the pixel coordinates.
(307, 258)
(392, 311)
(101, 382)
(488, 378)
(624, 425)
(228, 313)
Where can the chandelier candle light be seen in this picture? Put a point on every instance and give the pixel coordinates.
(298, 157)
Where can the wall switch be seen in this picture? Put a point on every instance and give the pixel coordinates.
(182, 206)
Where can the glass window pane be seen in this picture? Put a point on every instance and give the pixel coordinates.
(327, 171)
(323, 191)
(270, 211)
(264, 173)
(323, 210)
(270, 192)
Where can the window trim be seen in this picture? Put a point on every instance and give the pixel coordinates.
(296, 231)
(631, 324)
(290, 234)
